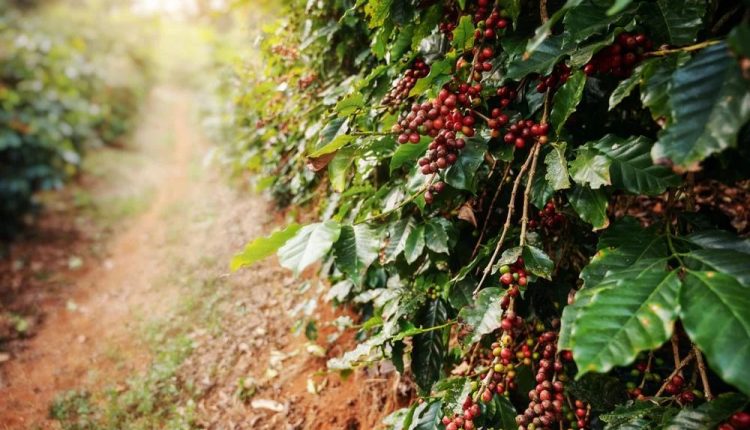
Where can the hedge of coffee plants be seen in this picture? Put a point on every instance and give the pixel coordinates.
(58, 98)
(539, 208)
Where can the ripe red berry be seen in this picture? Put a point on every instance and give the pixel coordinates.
(740, 420)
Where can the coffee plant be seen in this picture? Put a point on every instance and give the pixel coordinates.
(58, 99)
(537, 207)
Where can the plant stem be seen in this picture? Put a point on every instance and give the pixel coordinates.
(489, 211)
(676, 350)
(506, 226)
(527, 194)
(689, 48)
(648, 369)
(369, 133)
(543, 11)
(703, 373)
(685, 361)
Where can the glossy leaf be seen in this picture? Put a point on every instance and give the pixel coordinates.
(356, 248)
(429, 348)
(399, 232)
(590, 168)
(263, 247)
(710, 102)
(557, 167)
(308, 245)
(537, 262)
(673, 21)
(542, 59)
(727, 301)
(462, 175)
(566, 100)
(484, 316)
(590, 205)
(708, 415)
(631, 167)
(635, 312)
(463, 34)
(414, 245)
(436, 235)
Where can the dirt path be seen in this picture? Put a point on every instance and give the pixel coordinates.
(159, 335)
(110, 297)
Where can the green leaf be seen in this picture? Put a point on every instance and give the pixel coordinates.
(618, 6)
(739, 40)
(462, 174)
(440, 73)
(713, 302)
(588, 19)
(710, 102)
(263, 247)
(708, 415)
(378, 11)
(356, 248)
(512, 8)
(566, 100)
(429, 348)
(622, 245)
(630, 311)
(338, 167)
(463, 34)
(334, 128)
(428, 22)
(543, 32)
(399, 231)
(730, 262)
(590, 168)
(350, 104)
(402, 42)
(484, 317)
(627, 85)
(507, 412)
(557, 167)
(436, 235)
(637, 415)
(542, 60)
(537, 262)
(308, 245)
(428, 415)
(673, 21)
(414, 245)
(719, 239)
(408, 153)
(590, 205)
(657, 83)
(631, 167)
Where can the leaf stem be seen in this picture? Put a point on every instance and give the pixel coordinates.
(689, 48)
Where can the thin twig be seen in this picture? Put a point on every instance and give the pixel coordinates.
(703, 373)
(676, 350)
(685, 361)
(648, 369)
(689, 48)
(723, 20)
(527, 193)
(506, 226)
(543, 11)
(489, 211)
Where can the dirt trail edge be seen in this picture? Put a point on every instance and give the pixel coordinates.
(166, 271)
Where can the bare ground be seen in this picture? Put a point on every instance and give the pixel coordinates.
(109, 292)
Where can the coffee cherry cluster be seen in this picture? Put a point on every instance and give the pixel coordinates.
(400, 91)
(549, 218)
(559, 76)
(465, 421)
(432, 191)
(738, 421)
(547, 399)
(620, 58)
(513, 277)
(525, 132)
(489, 24)
(483, 56)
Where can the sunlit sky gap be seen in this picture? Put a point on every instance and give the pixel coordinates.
(174, 7)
